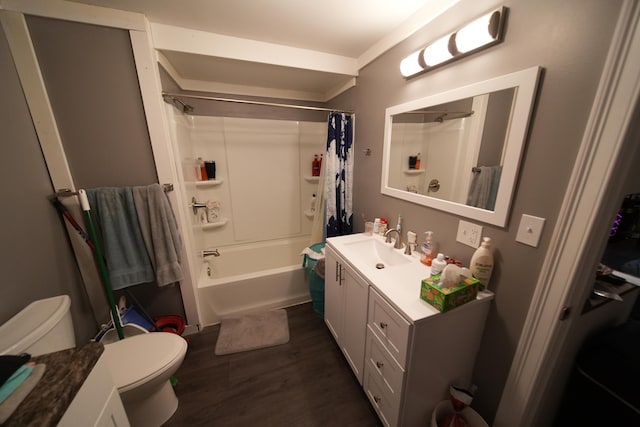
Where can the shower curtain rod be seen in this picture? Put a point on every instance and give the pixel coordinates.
(174, 97)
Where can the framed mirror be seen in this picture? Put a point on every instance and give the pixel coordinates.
(459, 151)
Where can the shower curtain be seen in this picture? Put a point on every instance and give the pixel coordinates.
(338, 171)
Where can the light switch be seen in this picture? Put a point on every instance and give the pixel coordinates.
(530, 230)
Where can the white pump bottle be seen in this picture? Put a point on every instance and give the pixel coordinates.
(481, 264)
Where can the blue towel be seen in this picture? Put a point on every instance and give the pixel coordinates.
(14, 381)
(124, 249)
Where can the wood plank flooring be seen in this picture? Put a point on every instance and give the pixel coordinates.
(304, 383)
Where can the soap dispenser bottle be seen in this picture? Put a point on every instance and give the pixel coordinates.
(481, 265)
(427, 248)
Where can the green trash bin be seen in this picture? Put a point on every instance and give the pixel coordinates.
(316, 282)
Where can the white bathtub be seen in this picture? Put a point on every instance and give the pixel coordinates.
(252, 277)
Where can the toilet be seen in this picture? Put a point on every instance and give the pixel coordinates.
(141, 365)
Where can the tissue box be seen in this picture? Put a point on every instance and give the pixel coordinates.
(444, 299)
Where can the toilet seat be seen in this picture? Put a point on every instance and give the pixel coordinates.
(140, 358)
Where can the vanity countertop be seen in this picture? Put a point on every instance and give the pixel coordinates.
(65, 372)
(400, 284)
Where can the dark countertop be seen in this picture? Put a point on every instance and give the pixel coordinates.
(64, 374)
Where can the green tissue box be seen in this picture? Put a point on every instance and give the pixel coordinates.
(445, 299)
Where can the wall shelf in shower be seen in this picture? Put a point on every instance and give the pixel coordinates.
(309, 214)
(413, 171)
(212, 225)
(209, 183)
(310, 178)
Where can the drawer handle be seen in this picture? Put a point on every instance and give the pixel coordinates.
(379, 365)
(383, 325)
(377, 399)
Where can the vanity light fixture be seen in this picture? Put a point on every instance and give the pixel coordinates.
(479, 34)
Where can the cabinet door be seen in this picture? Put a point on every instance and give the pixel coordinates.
(333, 295)
(354, 326)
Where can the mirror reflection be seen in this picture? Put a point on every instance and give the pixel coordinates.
(452, 151)
(460, 150)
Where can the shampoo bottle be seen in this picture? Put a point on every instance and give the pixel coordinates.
(481, 265)
(427, 248)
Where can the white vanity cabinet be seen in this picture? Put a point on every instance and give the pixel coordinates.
(346, 296)
(412, 352)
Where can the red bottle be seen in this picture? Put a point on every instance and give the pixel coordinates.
(315, 166)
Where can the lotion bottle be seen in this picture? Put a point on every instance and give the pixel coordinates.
(481, 265)
(438, 264)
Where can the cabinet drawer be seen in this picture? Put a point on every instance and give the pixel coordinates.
(389, 326)
(382, 363)
(384, 402)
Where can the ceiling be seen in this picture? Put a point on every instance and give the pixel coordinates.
(300, 49)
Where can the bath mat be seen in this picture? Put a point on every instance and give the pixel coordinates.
(252, 331)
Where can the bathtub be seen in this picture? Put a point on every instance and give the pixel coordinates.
(252, 277)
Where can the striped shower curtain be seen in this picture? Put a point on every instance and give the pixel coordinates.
(338, 164)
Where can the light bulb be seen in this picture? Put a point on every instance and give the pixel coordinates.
(437, 52)
(477, 33)
(411, 64)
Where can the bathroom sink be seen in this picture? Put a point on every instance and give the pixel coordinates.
(376, 253)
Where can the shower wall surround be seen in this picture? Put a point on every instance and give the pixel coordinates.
(263, 176)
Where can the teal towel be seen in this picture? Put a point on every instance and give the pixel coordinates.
(124, 249)
(14, 381)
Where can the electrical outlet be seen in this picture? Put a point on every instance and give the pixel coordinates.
(470, 234)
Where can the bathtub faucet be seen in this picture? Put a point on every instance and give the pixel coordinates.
(214, 253)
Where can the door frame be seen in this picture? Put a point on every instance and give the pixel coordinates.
(590, 203)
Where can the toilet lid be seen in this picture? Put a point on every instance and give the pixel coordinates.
(139, 358)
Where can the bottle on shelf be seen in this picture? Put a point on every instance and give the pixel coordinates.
(315, 166)
(481, 264)
(201, 171)
(418, 161)
(312, 203)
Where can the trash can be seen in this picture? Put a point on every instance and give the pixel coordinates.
(316, 280)
(444, 409)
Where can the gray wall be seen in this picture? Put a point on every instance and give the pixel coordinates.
(90, 75)
(570, 40)
(36, 259)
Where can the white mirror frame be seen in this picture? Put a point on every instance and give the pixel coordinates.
(526, 81)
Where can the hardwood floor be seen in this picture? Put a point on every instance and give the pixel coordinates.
(306, 382)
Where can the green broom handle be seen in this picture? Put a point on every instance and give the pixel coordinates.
(106, 283)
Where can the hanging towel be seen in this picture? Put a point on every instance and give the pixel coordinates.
(160, 232)
(484, 187)
(124, 249)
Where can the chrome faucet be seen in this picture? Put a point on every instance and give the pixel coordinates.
(207, 253)
(398, 244)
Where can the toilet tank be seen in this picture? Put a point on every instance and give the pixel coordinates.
(44, 326)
